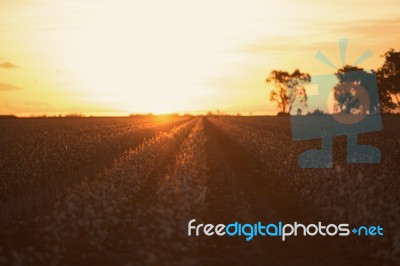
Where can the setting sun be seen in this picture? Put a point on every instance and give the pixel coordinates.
(199, 132)
(121, 57)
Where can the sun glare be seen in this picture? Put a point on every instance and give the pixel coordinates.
(121, 57)
(144, 60)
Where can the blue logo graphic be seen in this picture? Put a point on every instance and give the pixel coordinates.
(346, 103)
(280, 229)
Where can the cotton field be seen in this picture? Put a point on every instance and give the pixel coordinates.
(121, 191)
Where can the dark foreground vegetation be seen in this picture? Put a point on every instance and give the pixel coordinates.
(120, 191)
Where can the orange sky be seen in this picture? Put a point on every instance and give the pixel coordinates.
(115, 57)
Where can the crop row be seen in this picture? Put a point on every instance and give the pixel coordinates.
(97, 216)
(34, 151)
(40, 157)
(359, 195)
(180, 197)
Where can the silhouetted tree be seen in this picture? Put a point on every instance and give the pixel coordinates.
(347, 91)
(289, 87)
(389, 81)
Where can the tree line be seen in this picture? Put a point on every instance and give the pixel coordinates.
(291, 87)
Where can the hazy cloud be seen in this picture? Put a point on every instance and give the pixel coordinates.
(374, 32)
(8, 65)
(41, 108)
(31, 107)
(38, 105)
(8, 87)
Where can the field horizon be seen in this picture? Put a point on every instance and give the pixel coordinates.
(190, 133)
